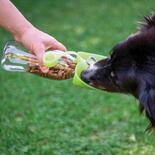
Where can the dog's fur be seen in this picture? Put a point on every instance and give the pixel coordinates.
(130, 69)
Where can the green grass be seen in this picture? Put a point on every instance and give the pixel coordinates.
(44, 117)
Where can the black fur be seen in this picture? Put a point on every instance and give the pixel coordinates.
(130, 69)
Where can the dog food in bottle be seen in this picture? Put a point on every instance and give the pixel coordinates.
(61, 65)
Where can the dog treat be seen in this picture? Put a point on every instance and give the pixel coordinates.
(58, 72)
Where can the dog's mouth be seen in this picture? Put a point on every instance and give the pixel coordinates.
(105, 86)
(97, 85)
(100, 78)
(93, 75)
(89, 78)
(100, 75)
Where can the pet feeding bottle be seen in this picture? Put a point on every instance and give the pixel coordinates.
(61, 65)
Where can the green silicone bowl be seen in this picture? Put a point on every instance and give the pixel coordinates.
(81, 66)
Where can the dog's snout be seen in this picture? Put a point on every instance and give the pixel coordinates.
(85, 76)
(89, 75)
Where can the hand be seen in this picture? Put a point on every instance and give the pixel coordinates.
(38, 42)
(25, 33)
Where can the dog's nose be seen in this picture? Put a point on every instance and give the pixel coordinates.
(85, 76)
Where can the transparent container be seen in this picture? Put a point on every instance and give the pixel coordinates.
(61, 64)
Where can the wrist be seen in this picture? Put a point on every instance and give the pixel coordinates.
(22, 29)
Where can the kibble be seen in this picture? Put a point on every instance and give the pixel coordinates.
(58, 72)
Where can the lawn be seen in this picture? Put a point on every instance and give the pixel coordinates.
(45, 117)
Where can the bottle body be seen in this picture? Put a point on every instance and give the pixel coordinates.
(16, 58)
(62, 69)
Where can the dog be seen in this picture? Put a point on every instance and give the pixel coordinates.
(130, 69)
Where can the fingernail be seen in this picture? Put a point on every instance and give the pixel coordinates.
(62, 47)
(44, 69)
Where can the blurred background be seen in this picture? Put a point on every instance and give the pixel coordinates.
(44, 117)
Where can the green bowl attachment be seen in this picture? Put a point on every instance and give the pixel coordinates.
(83, 61)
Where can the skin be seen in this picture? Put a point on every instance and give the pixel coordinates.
(25, 33)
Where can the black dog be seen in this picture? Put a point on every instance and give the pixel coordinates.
(130, 69)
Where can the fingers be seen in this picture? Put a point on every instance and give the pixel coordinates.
(44, 69)
(59, 46)
(47, 42)
(39, 52)
(53, 44)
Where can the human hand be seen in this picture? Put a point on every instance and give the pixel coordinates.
(38, 42)
(24, 32)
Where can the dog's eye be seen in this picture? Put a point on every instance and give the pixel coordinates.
(112, 74)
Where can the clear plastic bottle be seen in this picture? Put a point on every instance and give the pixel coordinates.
(61, 64)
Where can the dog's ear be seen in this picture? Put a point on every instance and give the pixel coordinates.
(149, 22)
(147, 104)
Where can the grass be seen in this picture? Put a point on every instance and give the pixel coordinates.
(44, 117)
